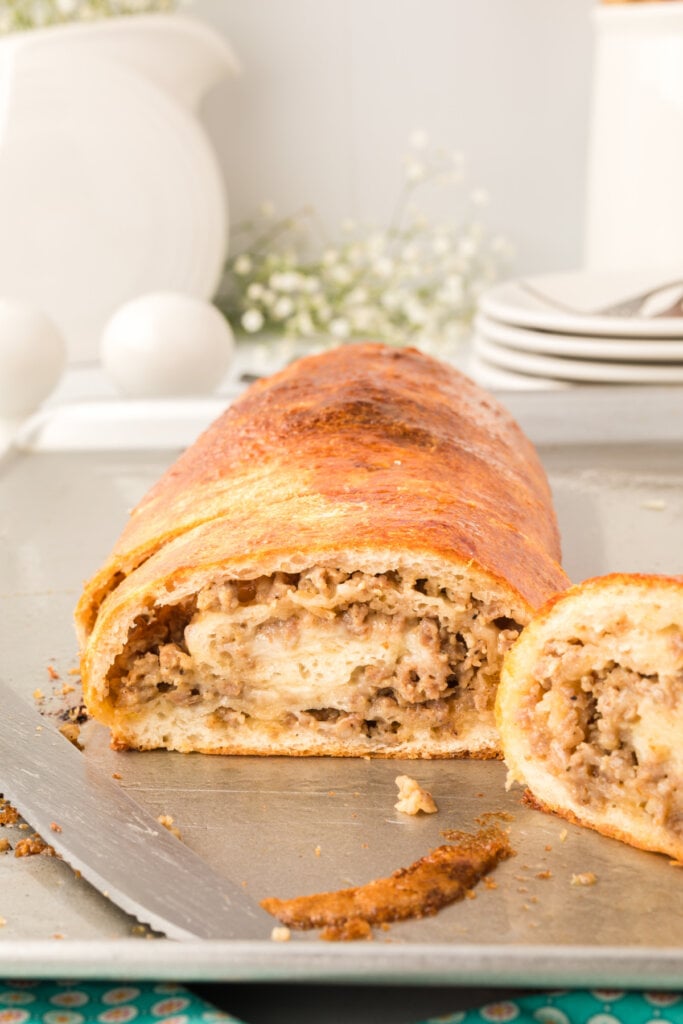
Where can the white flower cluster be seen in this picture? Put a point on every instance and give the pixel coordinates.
(16, 15)
(414, 281)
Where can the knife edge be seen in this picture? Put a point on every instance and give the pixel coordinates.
(115, 843)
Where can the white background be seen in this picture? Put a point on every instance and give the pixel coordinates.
(332, 89)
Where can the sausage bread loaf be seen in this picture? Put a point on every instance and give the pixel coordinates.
(336, 566)
(590, 709)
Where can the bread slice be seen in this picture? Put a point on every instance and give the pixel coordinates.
(590, 708)
(335, 567)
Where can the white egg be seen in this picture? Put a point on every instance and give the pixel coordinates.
(32, 358)
(167, 344)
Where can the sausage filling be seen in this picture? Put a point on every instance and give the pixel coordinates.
(592, 720)
(354, 656)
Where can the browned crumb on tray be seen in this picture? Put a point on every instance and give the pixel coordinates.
(350, 931)
(167, 821)
(584, 878)
(444, 875)
(488, 816)
(33, 845)
(8, 815)
(5, 845)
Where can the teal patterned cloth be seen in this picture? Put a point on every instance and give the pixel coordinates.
(71, 1002)
(75, 1002)
(598, 1006)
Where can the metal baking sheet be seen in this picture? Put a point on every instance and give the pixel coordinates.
(284, 827)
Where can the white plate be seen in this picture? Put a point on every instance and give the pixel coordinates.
(569, 302)
(586, 370)
(580, 346)
(489, 376)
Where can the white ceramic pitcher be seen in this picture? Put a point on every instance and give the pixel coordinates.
(109, 187)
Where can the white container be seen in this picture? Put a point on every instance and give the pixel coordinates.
(109, 187)
(634, 212)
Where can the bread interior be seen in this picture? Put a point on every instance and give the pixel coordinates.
(318, 661)
(607, 724)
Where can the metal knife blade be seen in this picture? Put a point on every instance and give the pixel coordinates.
(111, 840)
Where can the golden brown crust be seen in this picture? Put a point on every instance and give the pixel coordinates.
(395, 444)
(444, 875)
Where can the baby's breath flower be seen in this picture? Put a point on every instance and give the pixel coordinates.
(414, 281)
(391, 300)
(283, 307)
(340, 328)
(284, 282)
(383, 267)
(358, 296)
(242, 265)
(416, 313)
(255, 291)
(304, 325)
(340, 274)
(252, 321)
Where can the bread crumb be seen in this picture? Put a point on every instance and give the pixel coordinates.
(55, 827)
(544, 874)
(3, 922)
(655, 504)
(52, 672)
(38, 694)
(281, 933)
(8, 815)
(317, 851)
(74, 671)
(71, 731)
(412, 798)
(470, 894)
(563, 835)
(584, 878)
(58, 935)
(547, 847)
(348, 931)
(4, 845)
(116, 775)
(66, 689)
(167, 821)
(32, 846)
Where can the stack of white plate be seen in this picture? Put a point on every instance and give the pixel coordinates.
(559, 330)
